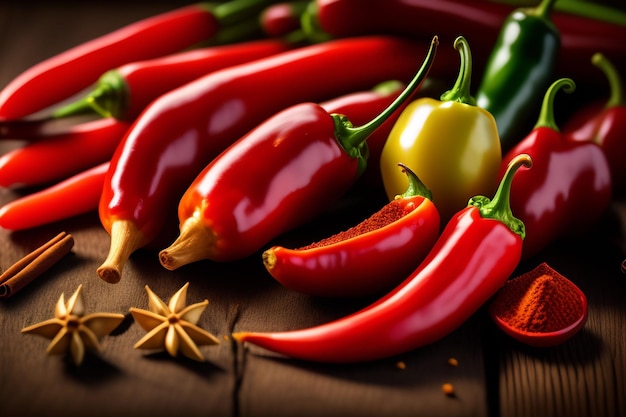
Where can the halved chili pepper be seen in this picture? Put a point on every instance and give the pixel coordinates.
(478, 21)
(520, 68)
(183, 130)
(78, 194)
(478, 250)
(69, 72)
(569, 187)
(605, 124)
(452, 144)
(62, 153)
(367, 259)
(126, 91)
(280, 175)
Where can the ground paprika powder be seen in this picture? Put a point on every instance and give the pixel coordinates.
(540, 301)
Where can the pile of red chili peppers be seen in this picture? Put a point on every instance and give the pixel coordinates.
(196, 142)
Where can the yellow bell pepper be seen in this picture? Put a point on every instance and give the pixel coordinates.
(451, 144)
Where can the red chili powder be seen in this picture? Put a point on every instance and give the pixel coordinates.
(540, 301)
(391, 212)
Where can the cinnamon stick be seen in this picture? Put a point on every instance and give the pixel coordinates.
(24, 271)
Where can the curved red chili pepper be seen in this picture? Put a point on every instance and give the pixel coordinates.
(69, 72)
(369, 258)
(281, 174)
(62, 153)
(478, 21)
(476, 253)
(605, 124)
(78, 194)
(183, 130)
(126, 91)
(569, 187)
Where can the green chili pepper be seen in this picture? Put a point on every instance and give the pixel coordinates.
(519, 70)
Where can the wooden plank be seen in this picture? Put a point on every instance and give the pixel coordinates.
(586, 376)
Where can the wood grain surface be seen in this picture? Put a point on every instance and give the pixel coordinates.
(495, 375)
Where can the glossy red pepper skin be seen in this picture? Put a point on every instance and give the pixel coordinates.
(246, 214)
(566, 192)
(280, 175)
(78, 194)
(183, 130)
(470, 261)
(473, 257)
(67, 73)
(126, 91)
(365, 264)
(605, 124)
(479, 22)
(62, 154)
(282, 18)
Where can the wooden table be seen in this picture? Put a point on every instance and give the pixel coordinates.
(495, 376)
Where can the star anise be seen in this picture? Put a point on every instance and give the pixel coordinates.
(70, 330)
(173, 326)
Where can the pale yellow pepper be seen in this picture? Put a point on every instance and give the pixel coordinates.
(451, 144)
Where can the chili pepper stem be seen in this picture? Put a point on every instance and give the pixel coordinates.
(543, 9)
(416, 186)
(546, 116)
(351, 138)
(269, 258)
(191, 245)
(617, 98)
(499, 207)
(103, 100)
(461, 90)
(125, 239)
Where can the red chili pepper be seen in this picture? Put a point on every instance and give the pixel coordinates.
(67, 73)
(125, 92)
(75, 195)
(183, 130)
(605, 124)
(569, 187)
(282, 19)
(369, 258)
(478, 21)
(62, 153)
(476, 253)
(281, 174)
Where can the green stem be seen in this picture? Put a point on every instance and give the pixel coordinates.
(249, 28)
(234, 11)
(352, 138)
(309, 22)
(499, 207)
(416, 186)
(388, 87)
(460, 92)
(617, 97)
(107, 99)
(546, 115)
(543, 10)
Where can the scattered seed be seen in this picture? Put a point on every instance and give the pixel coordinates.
(448, 389)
